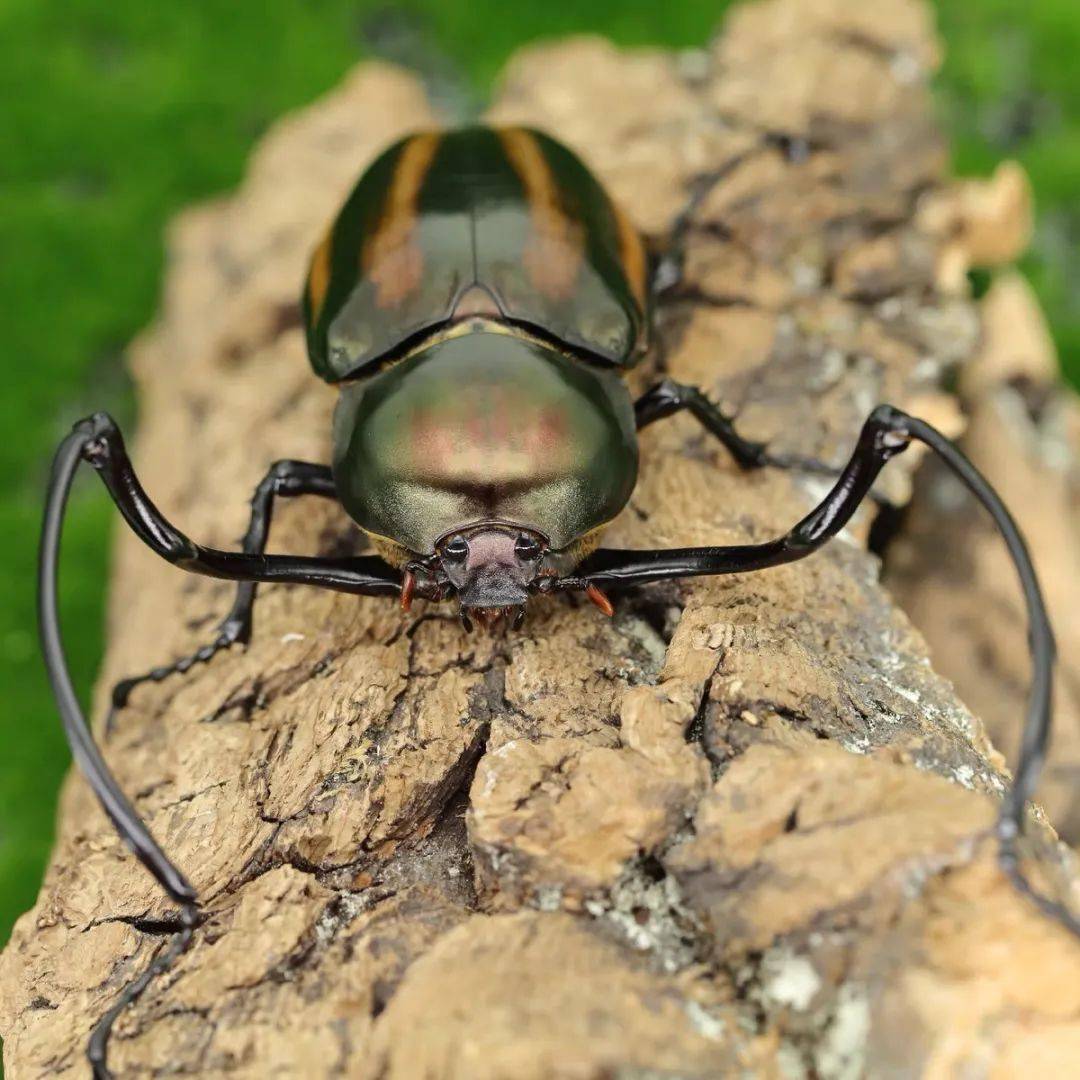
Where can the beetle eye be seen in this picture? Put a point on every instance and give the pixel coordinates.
(526, 547)
(456, 550)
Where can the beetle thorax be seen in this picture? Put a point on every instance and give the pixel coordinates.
(481, 428)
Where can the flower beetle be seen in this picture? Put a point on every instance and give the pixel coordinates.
(479, 300)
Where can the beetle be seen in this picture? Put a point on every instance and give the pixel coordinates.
(479, 300)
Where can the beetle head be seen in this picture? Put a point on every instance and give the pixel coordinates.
(493, 568)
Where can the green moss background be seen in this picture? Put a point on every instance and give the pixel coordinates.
(115, 115)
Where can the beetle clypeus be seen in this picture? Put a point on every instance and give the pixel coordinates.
(478, 300)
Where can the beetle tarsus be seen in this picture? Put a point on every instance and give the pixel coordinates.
(229, 634)
(97, 1046)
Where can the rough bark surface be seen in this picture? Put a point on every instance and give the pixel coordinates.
(741, 826)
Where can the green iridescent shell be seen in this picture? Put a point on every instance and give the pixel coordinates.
(485, 426)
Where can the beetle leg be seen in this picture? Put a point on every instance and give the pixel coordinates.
(668, 397)
(886, 433)
(126, 819)
(97, 441)
(284, 478)
(878, 442)
(102, 446)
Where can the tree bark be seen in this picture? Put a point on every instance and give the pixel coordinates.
(741, 826)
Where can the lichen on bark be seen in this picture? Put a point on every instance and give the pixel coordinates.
(743, 825)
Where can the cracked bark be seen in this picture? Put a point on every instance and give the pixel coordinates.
(744, 824)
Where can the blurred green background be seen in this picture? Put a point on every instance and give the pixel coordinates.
(115, 115)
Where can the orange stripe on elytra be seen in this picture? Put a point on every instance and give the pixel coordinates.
(319, 275)
(632, 255)
(553, 253)
(390, 256)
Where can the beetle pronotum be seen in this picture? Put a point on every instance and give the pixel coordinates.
(479, 299)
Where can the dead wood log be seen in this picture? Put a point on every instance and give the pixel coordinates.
(743, 825)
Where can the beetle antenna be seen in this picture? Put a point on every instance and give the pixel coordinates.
(71, 452)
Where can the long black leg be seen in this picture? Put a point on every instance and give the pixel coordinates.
(284, 478)
(1036, 734)
(668, 397)
(886, 433)
(102, 446)
(879, 440)
(84, 750)
(98, 441)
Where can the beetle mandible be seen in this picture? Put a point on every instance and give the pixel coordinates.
(478, 300)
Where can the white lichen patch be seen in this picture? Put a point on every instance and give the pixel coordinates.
(651, 917)
(964, 775)
(788, 980)
(855, 744)
(651, 643)
(790, 1064)
(705, 1024)
(339, 914)
(841, 1052)
(548, 898)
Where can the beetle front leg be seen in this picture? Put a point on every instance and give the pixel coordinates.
(668, 397)
(101, 445)
(884, 435)
(125, 818)
(284, 478)
(886, 432)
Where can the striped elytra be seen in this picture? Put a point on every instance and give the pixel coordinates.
(441, 217)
